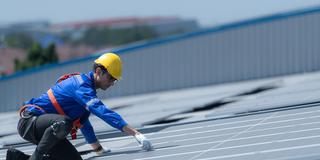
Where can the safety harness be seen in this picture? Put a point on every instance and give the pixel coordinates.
(76, 123)
(23, 108)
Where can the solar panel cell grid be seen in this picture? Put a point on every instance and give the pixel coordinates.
(281, 134)
(253, 127)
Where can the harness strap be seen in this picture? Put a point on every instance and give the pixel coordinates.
(23, 108)
(55, 102)
(76, 123)
(66, 76)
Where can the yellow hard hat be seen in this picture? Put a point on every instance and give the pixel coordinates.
(112, 63)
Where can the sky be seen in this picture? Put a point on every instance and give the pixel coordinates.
(206, 12)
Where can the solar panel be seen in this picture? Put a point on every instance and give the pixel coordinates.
(276, 135)
(262, 120)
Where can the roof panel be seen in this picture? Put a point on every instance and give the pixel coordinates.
(252, 127)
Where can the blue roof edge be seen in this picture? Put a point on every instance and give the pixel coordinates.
(144, 44)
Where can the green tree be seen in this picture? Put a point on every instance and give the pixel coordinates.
(17, 65)
(37, 56)
(50, 54)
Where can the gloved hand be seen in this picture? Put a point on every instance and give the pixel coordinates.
(144, 142)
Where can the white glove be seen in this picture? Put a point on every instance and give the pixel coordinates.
(144, 142)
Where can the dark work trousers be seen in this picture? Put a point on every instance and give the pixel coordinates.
(48, 132)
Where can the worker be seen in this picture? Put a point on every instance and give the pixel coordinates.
(46, 121)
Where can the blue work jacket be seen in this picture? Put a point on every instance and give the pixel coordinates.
(77, 98)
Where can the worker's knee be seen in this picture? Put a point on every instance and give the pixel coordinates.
(62, 127)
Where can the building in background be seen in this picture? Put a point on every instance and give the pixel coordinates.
(45, 34)
(162, 25)
(274, 45)
(39, 31)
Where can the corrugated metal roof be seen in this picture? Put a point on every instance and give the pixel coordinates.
(146, 44)
(267, 119)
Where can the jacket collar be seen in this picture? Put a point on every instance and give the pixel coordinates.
(90, 75)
